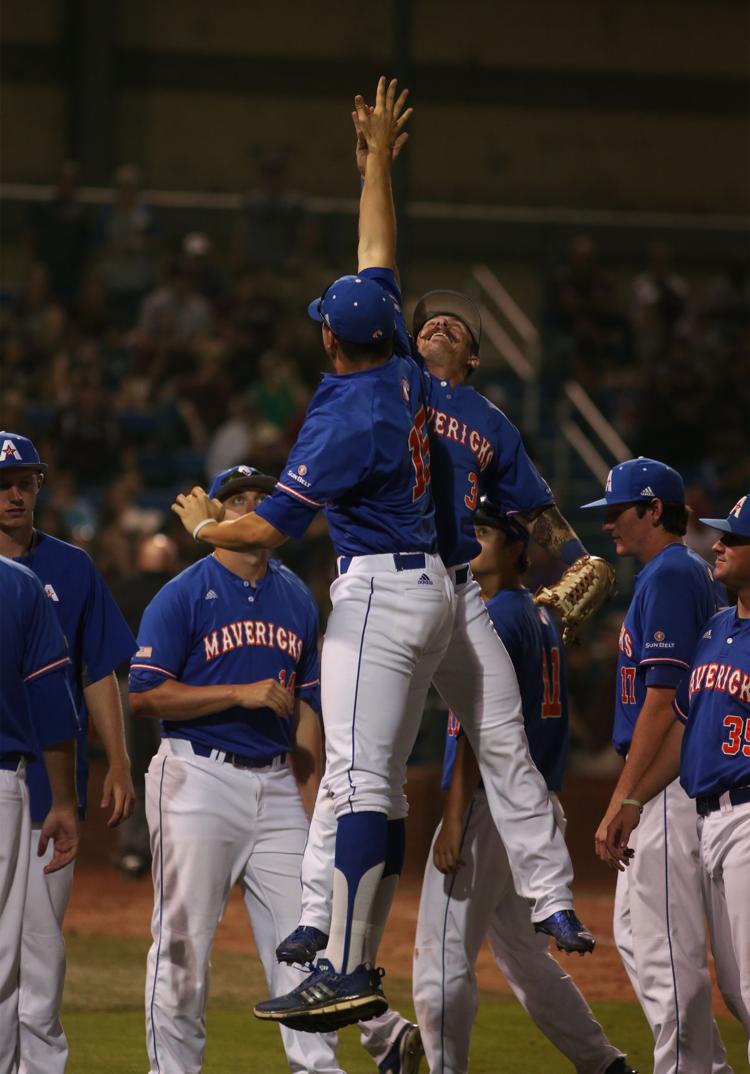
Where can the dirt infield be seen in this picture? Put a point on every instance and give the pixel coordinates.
(106, 903)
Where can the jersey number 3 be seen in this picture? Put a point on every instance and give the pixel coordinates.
(419, 449)
(470, 499)
(734, 724)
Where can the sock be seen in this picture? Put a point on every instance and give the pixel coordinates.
(361, 846)
(381, 908)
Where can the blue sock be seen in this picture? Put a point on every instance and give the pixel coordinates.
(396, 851)
(362, 841)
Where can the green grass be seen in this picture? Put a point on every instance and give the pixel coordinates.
(103, 1017)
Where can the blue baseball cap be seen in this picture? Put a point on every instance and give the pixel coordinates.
(489, 514)
(18, 452)
(237, 479)
(639, 481)
(357, 309)
(737, 521)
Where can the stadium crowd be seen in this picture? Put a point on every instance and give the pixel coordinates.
(140, 369)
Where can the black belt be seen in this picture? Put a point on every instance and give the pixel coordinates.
(238, 760)
(9, 762)
(709, 803)
(462, 575)
(403, 561)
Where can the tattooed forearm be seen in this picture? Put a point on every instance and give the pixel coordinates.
(552, 531)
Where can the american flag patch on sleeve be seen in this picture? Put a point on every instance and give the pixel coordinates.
(145, 650)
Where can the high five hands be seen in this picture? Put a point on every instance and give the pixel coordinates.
(380, 127)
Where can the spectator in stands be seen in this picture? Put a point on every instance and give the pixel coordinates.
(659, 304)
(174, 314)
(199, 255)
(233, 439)
(88, 437)
(278, 393)
(582, 314)
(59, 235)
(728, 299)
(250, 324)
(673, 404)
(128, 232)
(93, 312)
(271, 230)
(203, 395)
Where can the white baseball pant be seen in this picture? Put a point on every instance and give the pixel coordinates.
(44, 1047)
(386, 634)
(15, 823)
(213, 825)
(660, 932)
(476, 679)
(725, 873)
(456, 913)
(385, 637)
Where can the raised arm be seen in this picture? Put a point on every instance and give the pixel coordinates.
(379, 139)
(202, 517)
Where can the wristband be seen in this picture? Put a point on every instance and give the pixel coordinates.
(633, 801)
(571, 551)
(199, 527)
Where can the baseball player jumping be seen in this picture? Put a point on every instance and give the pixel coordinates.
(363, 455)
(468, 893)
(659, 925)
(710, 751)
(228, 661)
(476, 676)
(37, 720)
(98, 640)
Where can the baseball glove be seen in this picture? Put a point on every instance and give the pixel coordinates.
(583, 588)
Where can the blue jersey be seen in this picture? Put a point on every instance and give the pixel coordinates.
(98, 640)
(674, 596)
(363, 456)
(36, 709)
(210, 627)
(534, 646)
(714, 702)
(475, 451)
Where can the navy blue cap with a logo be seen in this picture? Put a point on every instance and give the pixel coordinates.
(357, 309)
(237, 479)
(489, 514)
(737, 521)
(639, 481)
(18, 452)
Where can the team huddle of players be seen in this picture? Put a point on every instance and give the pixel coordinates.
(278, 765)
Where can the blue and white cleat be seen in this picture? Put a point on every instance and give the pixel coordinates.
(327, 1000)
(405, 1053)
(567, 932)
(301, 946)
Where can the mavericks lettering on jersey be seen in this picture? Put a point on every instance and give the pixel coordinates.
(721, 677)
(247, 632)
(453, 429)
